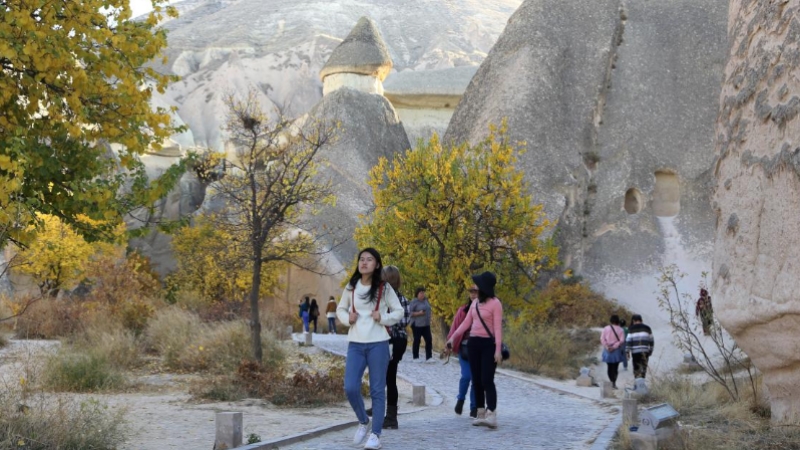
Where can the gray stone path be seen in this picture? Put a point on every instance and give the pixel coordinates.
(529, 417)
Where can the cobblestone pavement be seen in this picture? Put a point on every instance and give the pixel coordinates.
(528, 416)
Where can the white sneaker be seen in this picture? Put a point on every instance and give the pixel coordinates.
(430, 361)
(373, 443)
(361, 433)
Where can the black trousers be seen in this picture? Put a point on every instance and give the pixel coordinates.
(420, 333)
(482, 366)
(398, 348)
(639, 364)
(313, 321)
(613, 372)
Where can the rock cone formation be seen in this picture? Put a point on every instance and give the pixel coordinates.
(362, 52)
(756, 272)
(368, 129)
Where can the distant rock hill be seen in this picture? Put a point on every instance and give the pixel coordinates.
(224, 46)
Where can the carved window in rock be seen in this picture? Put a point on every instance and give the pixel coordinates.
(634, 202)
(667, 194)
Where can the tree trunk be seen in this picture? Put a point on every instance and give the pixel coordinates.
(255, 319)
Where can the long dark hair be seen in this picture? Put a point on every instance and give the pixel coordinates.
(482, 297)
(377, 280)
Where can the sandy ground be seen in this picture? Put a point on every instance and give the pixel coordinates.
(161, 413)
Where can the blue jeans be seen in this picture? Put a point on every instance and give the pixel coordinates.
(305, 321)
(332, 325)
(374, 355)
(463, 384)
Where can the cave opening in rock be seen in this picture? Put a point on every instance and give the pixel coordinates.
(633, 201)
(667, 194)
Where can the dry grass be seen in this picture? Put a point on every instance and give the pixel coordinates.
(711, 420)
(187, 344)
(550, 351)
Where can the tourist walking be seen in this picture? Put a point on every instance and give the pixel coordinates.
(461, 348)
(305, 307)
(368, 305)
(421, 325)
(704, 311)
(313, 313)
(484, 323)
(330, 312)
(613, 340)
(640, 345)
(399, 341)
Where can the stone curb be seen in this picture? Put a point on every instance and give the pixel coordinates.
(299, 437)
(603, 440)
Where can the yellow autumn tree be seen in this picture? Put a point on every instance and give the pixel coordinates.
(58, 257)
(74, 77)
(443, 213)
(214, 263)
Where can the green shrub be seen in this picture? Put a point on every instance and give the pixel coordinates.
(572, 304)
(548, 350)
(72, 371)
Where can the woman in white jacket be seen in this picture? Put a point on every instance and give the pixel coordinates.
(365, 306)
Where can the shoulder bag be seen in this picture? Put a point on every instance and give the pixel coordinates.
(504, 351)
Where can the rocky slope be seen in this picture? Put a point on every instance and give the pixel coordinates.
(279, 46)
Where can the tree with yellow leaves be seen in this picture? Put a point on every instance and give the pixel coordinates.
(215, 264)
(73, 76)
(58, 256)
(445, 212)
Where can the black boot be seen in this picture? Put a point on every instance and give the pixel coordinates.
(473, 412)
(369, 411)
(459, 407)
(390, 422)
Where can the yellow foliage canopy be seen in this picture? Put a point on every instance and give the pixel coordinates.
(215, 264)
(73, 76)
(444, 212)
(58, 256)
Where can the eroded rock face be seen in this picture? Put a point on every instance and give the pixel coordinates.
(616, 101)
(756, 271)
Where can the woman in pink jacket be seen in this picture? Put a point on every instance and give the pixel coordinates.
(613, 340)
(485, 325)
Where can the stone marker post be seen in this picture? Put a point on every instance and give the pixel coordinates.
(419, 394)
(229, 430)
(630, 412)
(309, 339)
(607, 391)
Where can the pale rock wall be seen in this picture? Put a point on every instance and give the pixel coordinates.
(364, 83)
(616, 101)
(757, 198)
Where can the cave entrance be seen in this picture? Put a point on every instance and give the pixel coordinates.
(667, 194)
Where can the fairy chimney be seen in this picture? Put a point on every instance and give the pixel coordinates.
(360, 62)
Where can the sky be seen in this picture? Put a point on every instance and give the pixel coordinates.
(140, 7)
